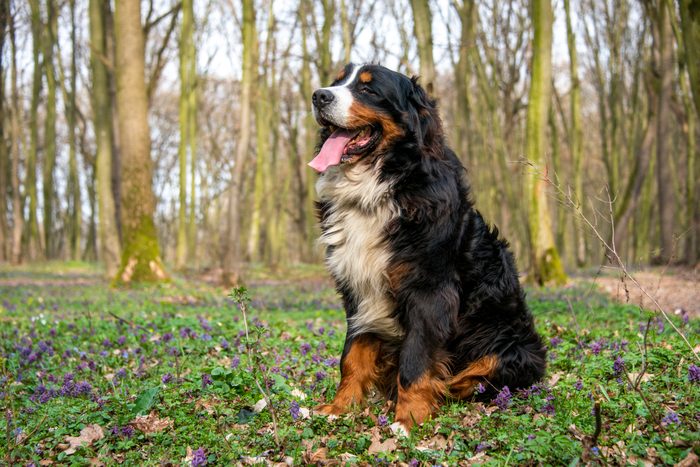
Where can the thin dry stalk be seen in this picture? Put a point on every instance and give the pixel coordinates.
(239, 295)
(610, 248)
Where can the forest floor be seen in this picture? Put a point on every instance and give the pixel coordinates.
(166, 375)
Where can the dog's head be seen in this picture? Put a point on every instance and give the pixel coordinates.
(370, 109)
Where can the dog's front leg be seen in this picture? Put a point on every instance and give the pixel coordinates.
(358, 370)
(423, 363)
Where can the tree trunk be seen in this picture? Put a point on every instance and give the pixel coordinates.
(347, 32)
(4, 148)
(546, 264)
(467, 15)
(17, 137)
(664, 71)
(33, 238)
(49, 165)
(187, 78)
(141, 254)
(232, 259)
(690, 24)
(690, 27)
(74, 201)
(422, 27)
(575, 135)
(110, 249)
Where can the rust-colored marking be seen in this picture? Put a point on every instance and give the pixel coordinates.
(340, 75)
(365, 77)
(359, 372)
(418, 402)
(464, 383)
(396, 273)
(361, 115)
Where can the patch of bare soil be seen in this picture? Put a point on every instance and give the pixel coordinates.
(675, 288)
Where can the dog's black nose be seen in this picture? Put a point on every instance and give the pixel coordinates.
(322, 97)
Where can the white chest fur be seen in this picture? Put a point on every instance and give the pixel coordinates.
(354, 230)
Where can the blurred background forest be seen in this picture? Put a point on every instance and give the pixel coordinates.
(163, 135)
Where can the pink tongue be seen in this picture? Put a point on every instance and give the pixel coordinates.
(332, 150)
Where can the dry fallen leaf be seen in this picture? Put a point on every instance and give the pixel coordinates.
(690, 460)
(378, 446)
(151, 423)
(189, 455)
(88, 435)
(554, 379)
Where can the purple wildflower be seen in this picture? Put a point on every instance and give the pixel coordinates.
(480, 389)
(121, 373)
(127, 431)
(694, 373)
(555, 341)
(294, 410)
(502, 400)
(579, 385)
(199, 457)
(382, 420)
(482, 446)
(305, 347)
(166, 378)
(671, 417)
(106, 343)
(413, 463)
(167, 337)
(596, 346)
(548, 407)
(206, 380)
(205, 337)
(204, 323)
(320, 375)
(121, 340)
(235, 361)
(224, 343)
(618, 366)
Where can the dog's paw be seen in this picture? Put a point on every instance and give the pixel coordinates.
(399, 429)
(330, 410)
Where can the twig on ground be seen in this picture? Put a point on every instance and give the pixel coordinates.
(610, 248)
(240, 295)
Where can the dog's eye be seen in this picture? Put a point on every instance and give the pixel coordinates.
(367, 90)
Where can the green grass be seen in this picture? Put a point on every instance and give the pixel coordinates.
(76, 355)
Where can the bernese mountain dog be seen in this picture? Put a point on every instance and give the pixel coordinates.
(433, 302)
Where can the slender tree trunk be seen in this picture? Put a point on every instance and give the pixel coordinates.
(347, 32)
(33, 238)
(75, 211)
(187, 61)
(232, 260)
(49, 165)
(110, 249)
(141, 254)
(575, 134)
(422, 27)
(305, 219)
(666, 202)
(263, 125)
(17, 137)
(4, 148)
(467, 15)
(690, 27)
(546, 264)
(690, 24)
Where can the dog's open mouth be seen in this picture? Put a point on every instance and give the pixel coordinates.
(345, 146)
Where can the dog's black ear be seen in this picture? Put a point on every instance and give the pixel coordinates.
(423, 120)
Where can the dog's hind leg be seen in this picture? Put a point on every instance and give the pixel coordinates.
(464, 383)
(359, 371)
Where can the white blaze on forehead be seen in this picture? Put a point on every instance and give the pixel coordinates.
(339, 110)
